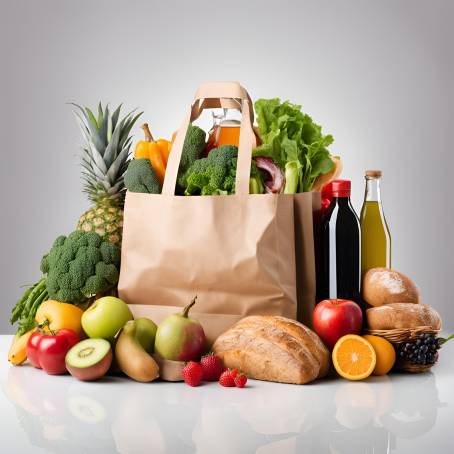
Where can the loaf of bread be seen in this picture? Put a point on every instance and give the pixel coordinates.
(275, 349)
(385, 286)
(402, 315)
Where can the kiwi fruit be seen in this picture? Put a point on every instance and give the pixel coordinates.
(90, 359)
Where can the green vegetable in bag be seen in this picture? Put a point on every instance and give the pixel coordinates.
(141, 177)
(193, 147)
(294, 141)
(215, 174)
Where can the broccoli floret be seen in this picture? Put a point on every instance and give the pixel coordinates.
(141, 177)
(193, 146)
(207, 176)
(215, 174)
(79, 266)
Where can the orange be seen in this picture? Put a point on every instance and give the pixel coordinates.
(60, 315)
(354, 357)
(386, 355)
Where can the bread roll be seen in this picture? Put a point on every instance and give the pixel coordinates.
(402, 315)
(384, 286)
(273, 348)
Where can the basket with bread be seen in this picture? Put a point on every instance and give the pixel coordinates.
(396, 313)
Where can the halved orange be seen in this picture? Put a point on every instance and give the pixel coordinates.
(354, 357)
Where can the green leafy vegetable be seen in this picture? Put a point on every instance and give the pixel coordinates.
(294, 141)
(25, 309)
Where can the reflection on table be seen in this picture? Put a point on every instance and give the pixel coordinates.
(62, 415)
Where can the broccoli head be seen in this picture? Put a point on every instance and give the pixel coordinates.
(193, 146)
(79, 266)
(141, 177)
(215, 174)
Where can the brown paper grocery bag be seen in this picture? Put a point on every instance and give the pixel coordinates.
(236, 252)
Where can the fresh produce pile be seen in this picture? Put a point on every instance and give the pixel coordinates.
(71, 319)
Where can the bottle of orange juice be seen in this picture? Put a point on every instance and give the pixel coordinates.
(225, 130)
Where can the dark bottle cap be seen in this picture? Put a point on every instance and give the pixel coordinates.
(337, 188)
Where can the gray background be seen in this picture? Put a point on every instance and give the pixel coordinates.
(377, 75)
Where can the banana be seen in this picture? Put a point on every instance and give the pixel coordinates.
(132, 358)
(18, 351)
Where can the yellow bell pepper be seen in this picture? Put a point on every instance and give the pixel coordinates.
(157, 151)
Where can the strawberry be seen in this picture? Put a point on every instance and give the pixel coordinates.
(192, 373)
(226, 379)
(212, 367)
(240, 381)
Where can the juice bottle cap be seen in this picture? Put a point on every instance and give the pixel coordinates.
(337, 188)
(373, 173)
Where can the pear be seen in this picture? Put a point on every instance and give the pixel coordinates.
(180, 338)
(133, 350)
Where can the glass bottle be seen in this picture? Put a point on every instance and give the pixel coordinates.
(375, 236)
(225, 129)
(341, 245)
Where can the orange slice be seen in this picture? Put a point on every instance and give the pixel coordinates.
(354, 357)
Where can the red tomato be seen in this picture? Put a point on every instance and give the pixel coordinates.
(334, 318)
(32, 348)
(48, 351)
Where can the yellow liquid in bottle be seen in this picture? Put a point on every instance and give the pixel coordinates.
(375, 237)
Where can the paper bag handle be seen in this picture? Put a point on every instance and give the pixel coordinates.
(212, 95)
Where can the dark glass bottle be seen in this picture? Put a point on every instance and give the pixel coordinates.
(340, 270)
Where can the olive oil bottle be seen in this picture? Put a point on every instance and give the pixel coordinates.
(375, 236)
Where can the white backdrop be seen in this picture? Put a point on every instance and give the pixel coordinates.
(377, 75)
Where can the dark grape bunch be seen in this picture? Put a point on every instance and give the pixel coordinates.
(421, 351)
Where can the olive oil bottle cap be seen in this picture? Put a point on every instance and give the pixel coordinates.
(373, 173)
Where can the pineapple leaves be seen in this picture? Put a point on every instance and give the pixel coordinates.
(91, 124)
(119, 139)
(103, 124)
(91, 162)
(113, 147)
(115, 117)
(100, 114)
(106, 151)
(91, 117)
(116, 165)
(129, 123)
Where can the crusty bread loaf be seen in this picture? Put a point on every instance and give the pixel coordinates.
(273, 348)
(402, 315)
(386, 286)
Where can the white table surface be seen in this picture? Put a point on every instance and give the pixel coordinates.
(393, 414)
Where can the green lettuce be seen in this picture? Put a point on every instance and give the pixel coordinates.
(294, 141)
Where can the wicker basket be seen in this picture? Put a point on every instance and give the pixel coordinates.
(397, 336)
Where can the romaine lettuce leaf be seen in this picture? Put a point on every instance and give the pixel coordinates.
(294, 141)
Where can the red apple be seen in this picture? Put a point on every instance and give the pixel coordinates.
(334, 318)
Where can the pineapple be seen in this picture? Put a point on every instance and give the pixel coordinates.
(105, 160)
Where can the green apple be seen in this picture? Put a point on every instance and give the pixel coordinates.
(146, 333)
(105, 317)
